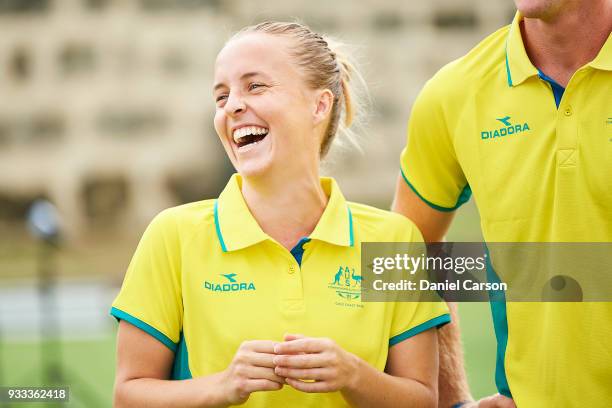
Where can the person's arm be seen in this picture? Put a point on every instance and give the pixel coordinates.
(433, 224)
(409, 380)
(144, 365)
(452, 381)
(410, 377)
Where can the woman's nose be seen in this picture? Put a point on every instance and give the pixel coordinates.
(234, 105)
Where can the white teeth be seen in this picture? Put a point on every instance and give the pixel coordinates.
(248, 130)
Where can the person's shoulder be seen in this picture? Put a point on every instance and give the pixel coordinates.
(483, 62)
(185, 218)
(189, 210)
(382, 225)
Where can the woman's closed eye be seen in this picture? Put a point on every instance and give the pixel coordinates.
(253, 86)
(221, 98)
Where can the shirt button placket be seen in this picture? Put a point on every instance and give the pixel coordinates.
(293, 297)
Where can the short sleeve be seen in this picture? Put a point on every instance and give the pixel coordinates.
(428, 162)
(150, 297)
(412, 318)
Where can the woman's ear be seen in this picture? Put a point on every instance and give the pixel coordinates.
(324, 102)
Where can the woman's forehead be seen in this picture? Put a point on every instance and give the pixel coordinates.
(255, 52)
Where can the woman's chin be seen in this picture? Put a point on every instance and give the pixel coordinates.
(254, 167)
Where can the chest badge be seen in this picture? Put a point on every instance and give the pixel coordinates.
(346, 283)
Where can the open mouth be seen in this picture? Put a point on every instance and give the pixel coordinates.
(249, 135)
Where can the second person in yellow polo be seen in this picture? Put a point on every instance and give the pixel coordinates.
(255, 297)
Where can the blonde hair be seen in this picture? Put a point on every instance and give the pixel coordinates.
(324, 67)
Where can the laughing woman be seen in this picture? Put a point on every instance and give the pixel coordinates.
(217, 290)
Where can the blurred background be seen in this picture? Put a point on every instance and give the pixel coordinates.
(106, 112)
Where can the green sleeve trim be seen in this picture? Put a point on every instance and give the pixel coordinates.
(435, 322)
(121, 315)
(464, 197)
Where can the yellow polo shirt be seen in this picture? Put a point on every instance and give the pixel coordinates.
(488, 124)
(205, 278)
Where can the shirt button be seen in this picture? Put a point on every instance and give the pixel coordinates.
(568, 110)
(291, 269)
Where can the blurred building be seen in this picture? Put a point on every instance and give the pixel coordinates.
(106, 106)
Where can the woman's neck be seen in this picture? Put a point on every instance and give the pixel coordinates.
(286, 208)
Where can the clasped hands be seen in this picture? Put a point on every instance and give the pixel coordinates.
(307, 364)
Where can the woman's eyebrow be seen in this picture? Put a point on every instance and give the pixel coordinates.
(250, 75)
(218, 85)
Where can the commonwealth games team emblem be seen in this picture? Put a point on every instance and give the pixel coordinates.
(346, 283)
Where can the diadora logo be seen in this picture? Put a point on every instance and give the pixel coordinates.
(505, 121)
(507, 129)
(229, 276)
(346, 284)
(231, 285)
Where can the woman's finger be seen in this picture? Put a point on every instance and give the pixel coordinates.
(255, 385)
(290, 337)
(303, 373)
(259, 346)
(317, 386)
(264, 373)
(260, 359)
(302, 360)
(305, 345)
